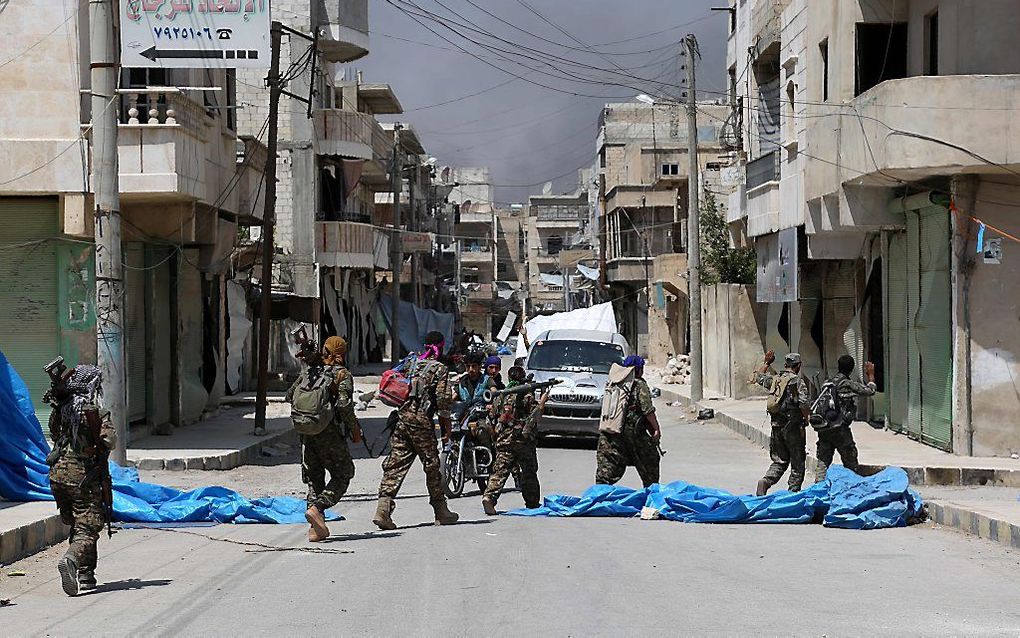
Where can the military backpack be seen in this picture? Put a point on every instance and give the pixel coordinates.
(616, 400)
(311, 408)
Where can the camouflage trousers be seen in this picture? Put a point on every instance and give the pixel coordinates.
(521, 459)
(407, 443)
(840, 440)
(629, 448)
(324, 452)
(787, 450)
(81, 508)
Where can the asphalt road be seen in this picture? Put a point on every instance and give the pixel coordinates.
(521, 576)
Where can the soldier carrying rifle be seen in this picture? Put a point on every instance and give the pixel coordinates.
(83, 437)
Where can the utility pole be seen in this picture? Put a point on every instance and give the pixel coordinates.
(693, 224)
(268, 221)
(105, 66)
(396, 249)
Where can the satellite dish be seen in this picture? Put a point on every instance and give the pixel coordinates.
(547, 188)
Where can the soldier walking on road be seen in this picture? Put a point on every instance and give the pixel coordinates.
(841, 438)
(414, 435)
(82, 438)
(637, 442)
(323, 412)
(516, 444)
(787, 406)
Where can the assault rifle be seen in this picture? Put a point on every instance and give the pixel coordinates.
(308, 350)
(59, 375)
(524, 388)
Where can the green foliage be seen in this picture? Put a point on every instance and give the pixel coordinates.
(721, 263)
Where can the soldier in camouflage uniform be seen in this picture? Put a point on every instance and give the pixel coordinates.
(328, 451)
(787, 444)
(75, 479)
(516, 444)
(414, 435)
(841, 438)
(637, 443)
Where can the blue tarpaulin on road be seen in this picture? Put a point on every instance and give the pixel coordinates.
(843, 500)
(24, 476)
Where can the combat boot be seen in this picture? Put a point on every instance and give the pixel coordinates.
(68, 569)
(318, 531)
(763, 487)
(489, 505)
(382, 514)
(87, 581)
(443, 514)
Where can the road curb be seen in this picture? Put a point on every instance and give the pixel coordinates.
(228, 460)
(971, 522)
(23, 541)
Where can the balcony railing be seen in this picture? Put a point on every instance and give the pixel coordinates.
(351, 245)
(166, 106)
(763, 170)
(350, 134)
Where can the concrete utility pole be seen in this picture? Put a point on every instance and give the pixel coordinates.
(268, 220)
(693, 223)
(396, 248)
(104, 67)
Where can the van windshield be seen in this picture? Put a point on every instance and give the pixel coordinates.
(574, 356)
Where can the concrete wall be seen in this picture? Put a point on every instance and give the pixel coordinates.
(667, 326)
(732, 344)
(994, 300)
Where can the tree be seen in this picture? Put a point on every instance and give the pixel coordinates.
(720, 262)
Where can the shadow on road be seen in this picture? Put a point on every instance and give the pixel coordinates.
(130, 583)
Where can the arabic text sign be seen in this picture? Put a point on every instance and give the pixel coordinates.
(195, 33)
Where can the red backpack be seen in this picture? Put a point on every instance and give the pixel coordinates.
(395, 385)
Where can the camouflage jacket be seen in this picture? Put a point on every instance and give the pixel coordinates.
(430, 394)
(640, 404)
(77, 450)
(848, 391)
(515, 418)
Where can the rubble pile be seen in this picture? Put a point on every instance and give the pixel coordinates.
(678, 370)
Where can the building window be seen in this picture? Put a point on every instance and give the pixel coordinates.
(670, 169)
(931, 43)
(823, 49)
(881, 54)
(231, 99)
(554, 244)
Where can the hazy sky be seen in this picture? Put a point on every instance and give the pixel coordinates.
(528, 134)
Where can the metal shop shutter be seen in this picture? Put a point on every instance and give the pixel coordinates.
(934, 327)
(29, 331)
(896, 361)
(134, 310)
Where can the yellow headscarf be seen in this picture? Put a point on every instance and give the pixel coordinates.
(334, 350)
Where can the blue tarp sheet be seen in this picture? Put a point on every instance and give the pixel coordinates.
(24, 476)
(843, 500)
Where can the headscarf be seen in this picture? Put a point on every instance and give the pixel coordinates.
(85, 388)
(493, 361)
(634, 361)
(335, 348)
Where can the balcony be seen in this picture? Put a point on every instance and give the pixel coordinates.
(350, 134)
(479, 292)
(762, 182)
(767, 22)
(475, 256)
(170, 148)
(346, 29)
(973, 112)
(351, 245)
(475, 217)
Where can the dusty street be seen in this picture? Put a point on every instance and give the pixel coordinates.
(523, 576)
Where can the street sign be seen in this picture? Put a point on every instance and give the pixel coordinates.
(195, 33)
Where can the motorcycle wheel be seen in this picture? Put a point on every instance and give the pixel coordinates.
(453, 473)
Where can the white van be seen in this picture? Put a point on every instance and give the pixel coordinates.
(581, 360)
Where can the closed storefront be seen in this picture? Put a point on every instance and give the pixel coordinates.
(135, 336)
(29, 290)
(918, 304)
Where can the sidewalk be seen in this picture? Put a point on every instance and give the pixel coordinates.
(976, 495)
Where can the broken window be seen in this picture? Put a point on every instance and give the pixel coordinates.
(881, 54)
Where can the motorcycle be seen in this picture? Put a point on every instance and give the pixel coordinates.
(468, 456)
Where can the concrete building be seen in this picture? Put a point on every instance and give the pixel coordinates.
(643, 169)
(560, 251)
(879, 165)
(189, 187)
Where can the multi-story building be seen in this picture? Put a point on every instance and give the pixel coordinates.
(880, 169)
(559, 252)
(475, 259)
(189, 185)
(643, 171)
